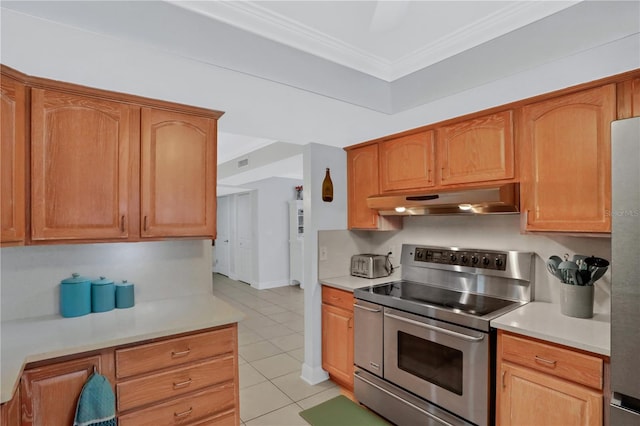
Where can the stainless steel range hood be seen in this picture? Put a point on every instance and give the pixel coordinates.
(497, 199)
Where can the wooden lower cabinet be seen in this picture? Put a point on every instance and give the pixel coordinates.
(544, 384)
(50, 393)
(215, 405)
(337, 335)
(532, 398)
(10, 411)
(185, 380)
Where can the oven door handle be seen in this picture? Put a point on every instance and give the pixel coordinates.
(364, 308)
(435, 328)
(426, 413)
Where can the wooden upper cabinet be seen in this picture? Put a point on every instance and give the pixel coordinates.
(362, 177)
(477, 150)
(80, 159)
(566, 162)
(12, 179)
(178, 186)
(362, 180)
(628, 98)
(407, 162)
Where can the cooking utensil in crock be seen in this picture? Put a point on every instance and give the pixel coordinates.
(567, 268)
(552, 267)
(597, 274)
(597, 262)
(579, 259)
(585, 276)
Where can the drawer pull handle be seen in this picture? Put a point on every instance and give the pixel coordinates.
(545, 361)
(182, 384)
(184, 413)
(179, 354)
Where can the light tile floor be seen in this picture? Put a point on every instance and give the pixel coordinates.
(271, 352)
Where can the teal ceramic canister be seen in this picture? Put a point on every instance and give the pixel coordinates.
(124, 295)
(75, 296)
(103, 295)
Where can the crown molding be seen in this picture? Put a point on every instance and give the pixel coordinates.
(253, 17)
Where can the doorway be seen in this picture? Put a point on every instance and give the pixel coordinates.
(222, 251)
(244, 237)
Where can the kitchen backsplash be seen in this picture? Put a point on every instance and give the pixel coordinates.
(500, 232)
(30, 276)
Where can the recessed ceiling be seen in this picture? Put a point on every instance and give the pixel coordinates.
(385, 39)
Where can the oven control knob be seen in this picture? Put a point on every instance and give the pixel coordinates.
(453, 257)
(474, 260)
(485, 261)
(464, 259)
(498, 262)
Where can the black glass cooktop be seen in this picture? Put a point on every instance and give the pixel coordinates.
(472, 304)
(427, 300)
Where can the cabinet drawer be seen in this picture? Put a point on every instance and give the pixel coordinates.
(340, 298)
(214, 402)
(564, 363)
(169, 353)
(170, 384)
(228, 418)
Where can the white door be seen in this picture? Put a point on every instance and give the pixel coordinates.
(222, 247)
(244, 236)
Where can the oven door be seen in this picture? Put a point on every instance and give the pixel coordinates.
(443, 363)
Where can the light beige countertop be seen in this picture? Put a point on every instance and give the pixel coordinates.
(350, 283)
(42, 338)
(544, 321)
(541, 320)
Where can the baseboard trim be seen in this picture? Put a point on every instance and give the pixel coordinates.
(271, 284)
(313, 375)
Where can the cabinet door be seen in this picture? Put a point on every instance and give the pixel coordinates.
(477, 150)
(178, 187)
(337, 344)
(628, 98)
(10, 411)
(50, 393)
(362, 177)
(527, 397)
(566, 162)
(80, 167)
(12, 169)
(407, 162)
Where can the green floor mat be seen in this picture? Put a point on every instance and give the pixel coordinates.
(341, 411)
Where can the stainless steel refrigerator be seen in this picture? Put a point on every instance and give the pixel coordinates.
(625, 272)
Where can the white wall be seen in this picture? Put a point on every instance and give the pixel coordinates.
(319, 215)
(500, 232)
(30, 276)
(272, 230)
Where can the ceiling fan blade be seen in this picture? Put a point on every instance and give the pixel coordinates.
(388, 14)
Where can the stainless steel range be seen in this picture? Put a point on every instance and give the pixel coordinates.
(424, 350)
